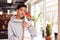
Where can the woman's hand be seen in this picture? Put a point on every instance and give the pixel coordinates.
(25, 24)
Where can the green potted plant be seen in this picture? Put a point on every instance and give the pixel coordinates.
(48, 32)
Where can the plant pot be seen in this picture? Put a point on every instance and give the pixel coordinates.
(48, 38)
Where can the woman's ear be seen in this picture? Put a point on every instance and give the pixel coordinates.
(17, 10)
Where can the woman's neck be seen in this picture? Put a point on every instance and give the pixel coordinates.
(18, 17)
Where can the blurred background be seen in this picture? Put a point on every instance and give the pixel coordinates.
(44, 11)
(7, 9)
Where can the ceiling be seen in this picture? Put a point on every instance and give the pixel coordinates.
(4, 6)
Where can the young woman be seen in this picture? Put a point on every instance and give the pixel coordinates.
(17, 26)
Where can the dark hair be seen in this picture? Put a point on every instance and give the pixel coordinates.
(20, 5)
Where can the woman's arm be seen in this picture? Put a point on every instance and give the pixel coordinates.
(32, 31)
(10, 32)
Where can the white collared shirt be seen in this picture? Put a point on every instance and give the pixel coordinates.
(27, 35)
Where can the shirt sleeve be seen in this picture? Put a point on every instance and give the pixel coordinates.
(10, 33)
(32, 31)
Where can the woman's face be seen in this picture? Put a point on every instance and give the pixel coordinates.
(21, 11)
